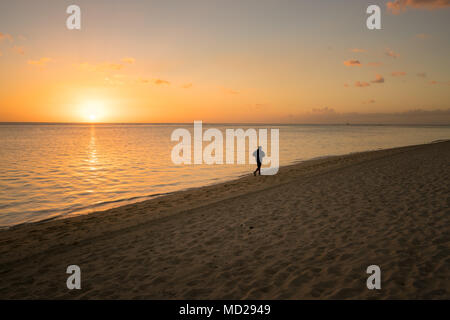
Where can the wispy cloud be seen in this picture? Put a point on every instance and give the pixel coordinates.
(391, 53)
(105, 66)
(434, 82)
(129, 60)
(398, 73)
(399, 6)
(422, 36)
(361, 84)
(421, 74)
(6, 36)
(187, 85)
(113, 66)
(18, 49)
(357, 50)
(154, 81)
(260, 106)
(374, 64)
(42, 62)
(116, 79)
(378, 79)
(352, 63)
(143, 80)
(231, 91)
(161, 81)
(370, 101)
(324, 110)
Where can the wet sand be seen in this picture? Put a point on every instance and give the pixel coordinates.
(308, 232)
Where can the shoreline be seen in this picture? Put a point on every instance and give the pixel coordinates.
(104, 206)
(306, 232)
(124, 202)
(316, 160)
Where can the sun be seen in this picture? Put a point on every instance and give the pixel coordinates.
(93, 110)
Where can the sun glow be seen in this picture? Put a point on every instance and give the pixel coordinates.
(93, 110)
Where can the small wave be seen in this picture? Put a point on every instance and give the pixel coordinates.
(440, 140)
(79, 210)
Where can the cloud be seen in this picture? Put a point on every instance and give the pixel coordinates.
(4, 36)
(399, 6)
(423, 36)
(434, 82)
(374, 64)
(346, 85)
(370, 101)
(421, 74)
(378, 79)
(105, 66)
(187, 86)
(228, 91)
(142, 80)
(362, 84)
(42, 62)
(398, 73)
(129, 60)
(154, 81)
(19, 50)
(391, 53)
(352, 63)
(160, 81)
(357, 50)
(324, 110)
(113, 66)
(116, 79)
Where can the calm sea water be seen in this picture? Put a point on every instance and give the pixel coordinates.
(59, 170)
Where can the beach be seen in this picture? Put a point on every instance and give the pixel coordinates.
(309, 232)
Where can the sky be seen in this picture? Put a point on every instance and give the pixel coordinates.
(311, 61)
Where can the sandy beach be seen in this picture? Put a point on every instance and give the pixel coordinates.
(308, 232)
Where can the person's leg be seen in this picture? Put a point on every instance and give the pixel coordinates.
(259, 168)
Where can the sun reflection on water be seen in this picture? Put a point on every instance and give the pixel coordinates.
(92, 151)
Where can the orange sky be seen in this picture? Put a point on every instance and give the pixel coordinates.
(237, 62)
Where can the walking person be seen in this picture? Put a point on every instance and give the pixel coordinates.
(259, 155)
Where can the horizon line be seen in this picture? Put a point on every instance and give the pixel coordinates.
(221, 123)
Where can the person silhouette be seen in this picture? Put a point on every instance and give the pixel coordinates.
(259, 155)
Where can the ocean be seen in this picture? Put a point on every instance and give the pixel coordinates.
(59, 170)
